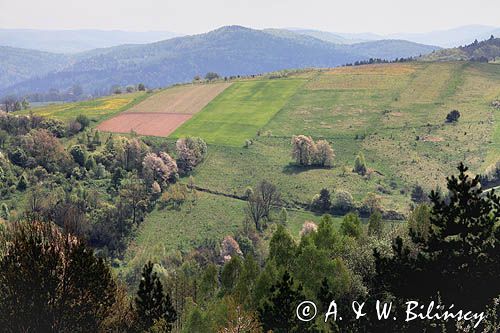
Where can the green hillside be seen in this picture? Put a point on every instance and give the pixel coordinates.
(392, 113)
(395, 114)
(240, 112)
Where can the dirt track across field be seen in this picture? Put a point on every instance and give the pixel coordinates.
(144, 123)
(187, 99)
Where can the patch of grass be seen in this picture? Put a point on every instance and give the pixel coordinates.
(240, 111)
(97, 109)
(165, 232)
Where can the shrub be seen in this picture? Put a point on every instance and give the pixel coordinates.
(453, 116)
(307, 228)
(324, 154)
(351, 226)
(371, 204)
(360, 164)
(162, 168)
(322, 202)
(375, 226)
(191, 151)
(210, 76)
(79, 154)
(83, 120)
(344, 202)
(306, 152)
(230, 248)
(303, 150)
(418, 194)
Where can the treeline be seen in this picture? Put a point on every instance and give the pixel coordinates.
(72, 94)
(379, 61)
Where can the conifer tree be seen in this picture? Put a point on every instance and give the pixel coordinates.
(152, 303)
(279, 312)
(459, 258)
(375, 226)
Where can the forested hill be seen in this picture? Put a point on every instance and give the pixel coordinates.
(17, 65)
(487, 50)
(229, 51)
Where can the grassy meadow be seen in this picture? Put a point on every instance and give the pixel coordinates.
(240, 111)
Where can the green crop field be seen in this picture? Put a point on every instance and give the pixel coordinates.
(240, 111)
(97, 110)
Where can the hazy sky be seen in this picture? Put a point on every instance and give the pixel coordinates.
(194, 16)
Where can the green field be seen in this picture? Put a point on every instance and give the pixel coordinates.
(166, 232)
(240, 111)
(97, 109)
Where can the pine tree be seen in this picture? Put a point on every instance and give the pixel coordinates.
(459, 258)
(152, 303)
(283, 216)
(22, 184)
(279, 312)
(325, 201)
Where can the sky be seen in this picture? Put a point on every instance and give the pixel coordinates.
(196, 16)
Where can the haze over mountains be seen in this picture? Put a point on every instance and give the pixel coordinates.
(73, 41)
(444, 38)
(231, 50)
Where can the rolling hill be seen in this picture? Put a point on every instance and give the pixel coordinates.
(444, 38)
(484, 51)
(17, 65)
(73, 41)
(232, 50)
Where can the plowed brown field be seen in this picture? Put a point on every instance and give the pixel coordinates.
(162, 113)
(144, 123)
(188, 99)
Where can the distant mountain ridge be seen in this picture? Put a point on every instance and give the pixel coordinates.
(444, 38)
(74, 41)
(232, 50)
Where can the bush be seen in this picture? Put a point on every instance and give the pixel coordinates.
(308, 153)
(303, 150)
(360, 164)
(307, 228)
(210, 76)
(375, 226)
(453, 116)
(418, 194)
(343, 202)
(322, 202)
(83, 120)
(191, 151)
(324, 154)
(79, 154)
(351, 226)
